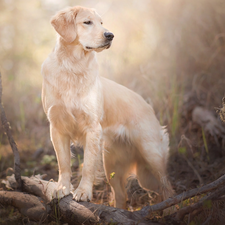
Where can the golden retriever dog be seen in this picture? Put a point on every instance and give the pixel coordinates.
(106, 118)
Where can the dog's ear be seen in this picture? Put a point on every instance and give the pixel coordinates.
(64, 24)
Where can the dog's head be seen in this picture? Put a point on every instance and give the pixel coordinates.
(83, 26)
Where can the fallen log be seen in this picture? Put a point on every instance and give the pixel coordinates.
(74, 212)
(29, 205)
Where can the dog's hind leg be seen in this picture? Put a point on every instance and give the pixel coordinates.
(147, 180)
(117, 163)
(152, 165)
(152, 175)
(155, 180)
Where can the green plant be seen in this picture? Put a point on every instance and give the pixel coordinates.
(112, 175)
(205, 143)
(49, 159)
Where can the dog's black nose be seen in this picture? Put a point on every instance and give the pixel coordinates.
(109, 36)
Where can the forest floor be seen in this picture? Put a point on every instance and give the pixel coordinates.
(189, 167)
(197, 156)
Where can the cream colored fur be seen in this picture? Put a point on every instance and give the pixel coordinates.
(106, 118)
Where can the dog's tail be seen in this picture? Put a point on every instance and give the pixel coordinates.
(165, 143)
(167, 189)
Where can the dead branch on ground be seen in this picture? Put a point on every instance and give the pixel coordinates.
(90, 213)
(71, 211)
(13, 145)
(213, 196)
(183, 196)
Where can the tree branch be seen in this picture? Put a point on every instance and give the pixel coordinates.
(185, 195)
(13, 145)
(214, 196)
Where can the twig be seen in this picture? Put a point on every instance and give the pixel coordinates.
(195, 213)
(7, 128)
(195, 171)
(207, 220)
(183, 137)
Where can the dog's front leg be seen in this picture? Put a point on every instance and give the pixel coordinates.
(91, 150)
(61, 145)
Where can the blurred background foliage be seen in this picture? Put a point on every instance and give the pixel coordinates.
(162, 49)
(171, 52)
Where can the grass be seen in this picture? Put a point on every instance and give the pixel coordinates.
(175, 115)
(57, 213)
(22, 116)
(205, 144)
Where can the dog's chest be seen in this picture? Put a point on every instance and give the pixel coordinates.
(76, 115)
(82, 113)
(73, 119)
(75, 103)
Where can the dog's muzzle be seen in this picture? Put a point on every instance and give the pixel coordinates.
(109, 37)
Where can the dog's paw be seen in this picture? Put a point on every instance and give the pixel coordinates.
(61, 191)
(82, 194)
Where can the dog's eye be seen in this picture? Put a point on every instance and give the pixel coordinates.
(87, 22)
(101, 22)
